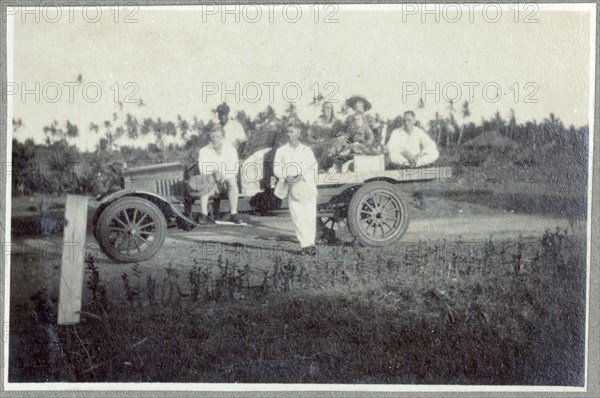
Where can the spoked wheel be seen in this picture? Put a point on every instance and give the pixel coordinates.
(377, 215)
(332, 228)
(333, 223)
(131, 229)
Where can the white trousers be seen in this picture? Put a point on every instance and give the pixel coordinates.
(304, 217)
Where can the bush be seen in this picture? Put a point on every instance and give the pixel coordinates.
(508, 312)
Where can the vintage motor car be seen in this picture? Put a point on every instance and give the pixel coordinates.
(130, 224)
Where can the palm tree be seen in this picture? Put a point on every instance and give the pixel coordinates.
(266, 116)
(170, 129)
(435, 127)
(158, 128)
(119, 132)
(54, 132)
(452, 129)
(466, 111)
(131, 126)
(291, 110)
(17, 124)
(317, 100)
(146, 126)
(94, 127)
(109, 135)
(184, 127)
(197, 124)
(72, 131)
(451, 106)
(512, 125)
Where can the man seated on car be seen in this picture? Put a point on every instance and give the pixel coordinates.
(410, 146)
(218, 165)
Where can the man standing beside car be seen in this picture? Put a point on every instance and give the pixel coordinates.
(296, 168)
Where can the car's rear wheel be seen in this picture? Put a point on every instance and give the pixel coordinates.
(377, 214)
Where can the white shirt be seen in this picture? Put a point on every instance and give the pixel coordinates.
(234, 134)
(417, 144)
(290, 162)
(225, 162)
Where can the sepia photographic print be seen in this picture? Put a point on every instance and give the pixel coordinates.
(301, 198)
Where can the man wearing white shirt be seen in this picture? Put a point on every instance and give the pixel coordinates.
(410, 145)
(218, 163)
(233, 131)
(296, 168)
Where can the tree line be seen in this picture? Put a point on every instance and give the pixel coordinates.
(53, 166)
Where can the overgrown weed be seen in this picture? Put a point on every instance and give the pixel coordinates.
(500, 312)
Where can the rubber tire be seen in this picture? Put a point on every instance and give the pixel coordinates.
(131, 202)
(355, 201)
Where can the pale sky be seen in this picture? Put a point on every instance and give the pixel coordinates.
(171, 56)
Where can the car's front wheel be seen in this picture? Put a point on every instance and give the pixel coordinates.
(131, 229)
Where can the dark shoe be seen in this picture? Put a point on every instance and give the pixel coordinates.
(309, 251)
(234, 218)
(206, 220)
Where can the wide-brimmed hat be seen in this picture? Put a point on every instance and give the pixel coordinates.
(355, 98)
(300, 191)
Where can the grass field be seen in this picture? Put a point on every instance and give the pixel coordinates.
(495, 312)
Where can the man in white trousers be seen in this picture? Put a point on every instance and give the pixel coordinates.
(296, 168)
(218, 164)
(410, 146)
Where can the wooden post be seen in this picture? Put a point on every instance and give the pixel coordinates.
(71, 267)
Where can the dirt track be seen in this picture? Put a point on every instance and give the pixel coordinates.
(36, 259)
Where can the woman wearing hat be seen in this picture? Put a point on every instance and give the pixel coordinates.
(295, 167)
(360, 105)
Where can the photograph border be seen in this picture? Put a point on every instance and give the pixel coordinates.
(147, 389)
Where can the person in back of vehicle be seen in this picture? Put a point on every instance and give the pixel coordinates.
(410, 146)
